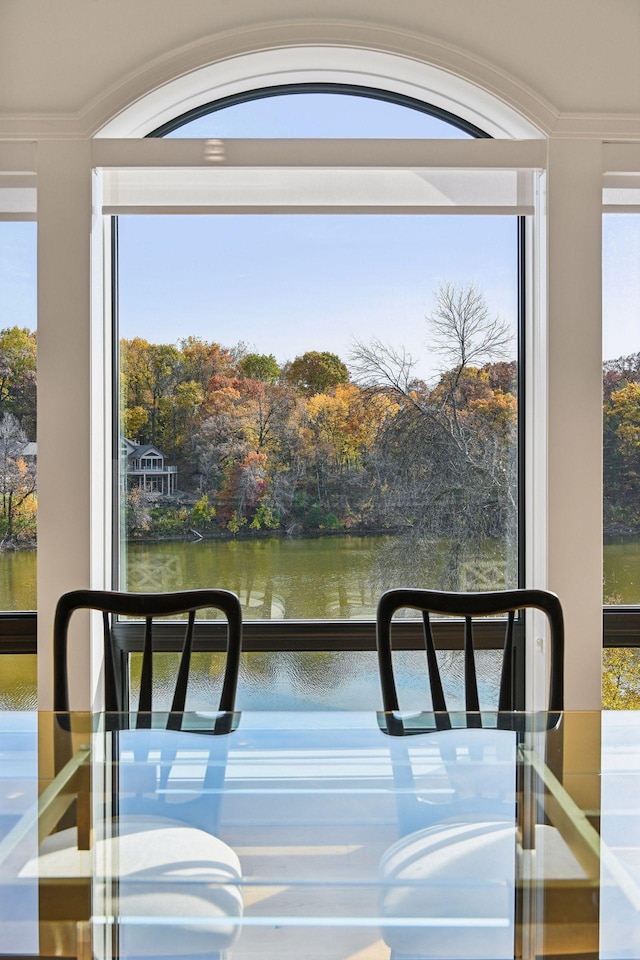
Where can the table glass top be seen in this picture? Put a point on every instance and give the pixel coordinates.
(320, 835)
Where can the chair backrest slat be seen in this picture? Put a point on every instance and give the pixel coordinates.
(146, 677)
(435, 681)
(147, 606)
(110, 685)
(472, 701)
(470, 606)
(180, 693)
(506, 699)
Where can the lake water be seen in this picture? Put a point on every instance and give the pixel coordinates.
(18, 580)
(313, 578)
(326, 578)
(621, 576)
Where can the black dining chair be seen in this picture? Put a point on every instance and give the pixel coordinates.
(149, 607)
(470, 607)
(471, 842)
(162, 832)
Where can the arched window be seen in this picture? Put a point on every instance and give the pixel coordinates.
(324, 351)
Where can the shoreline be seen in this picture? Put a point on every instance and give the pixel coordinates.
(225, 537)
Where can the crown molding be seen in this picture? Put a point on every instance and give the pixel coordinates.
(597, 126)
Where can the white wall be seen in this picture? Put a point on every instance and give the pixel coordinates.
(571, 67)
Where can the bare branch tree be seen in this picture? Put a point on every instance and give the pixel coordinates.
(442, 466)
(379, 368)
(462, 330)
(378, 365)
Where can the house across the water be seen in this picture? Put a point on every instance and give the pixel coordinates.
(146, 468)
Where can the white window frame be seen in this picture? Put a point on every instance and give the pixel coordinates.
(127, 156)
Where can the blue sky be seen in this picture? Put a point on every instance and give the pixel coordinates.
(621, 284)
(287, 284)
(18, 301)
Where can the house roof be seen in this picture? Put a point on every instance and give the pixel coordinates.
(143, 449)
(29, 449)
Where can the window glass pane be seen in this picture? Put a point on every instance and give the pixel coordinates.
(18, 452)
(314, 115)
(318, 408)
(18, 681)
(621, 419)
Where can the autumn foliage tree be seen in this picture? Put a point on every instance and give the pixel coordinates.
(18, 505)
(621, 431)
(150, 373)
(18, 376)
(260, 366)
(316, 372)
(621, 679)
(17, 483)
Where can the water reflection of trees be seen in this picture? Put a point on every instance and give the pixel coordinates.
(420, 559)
(337, 578)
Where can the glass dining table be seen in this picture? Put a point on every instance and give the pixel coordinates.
(313, 835)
